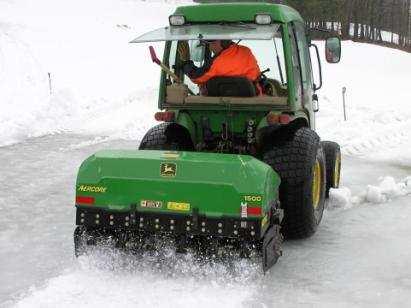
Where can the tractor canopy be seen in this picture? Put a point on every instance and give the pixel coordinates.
(237, 12)
(234, 21)
(210, 32)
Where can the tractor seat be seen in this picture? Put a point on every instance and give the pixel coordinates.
(230, 87)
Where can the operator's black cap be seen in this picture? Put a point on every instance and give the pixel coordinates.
(207, 41)
(224, 43)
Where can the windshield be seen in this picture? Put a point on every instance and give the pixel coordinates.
(234, 31)
(269, 55)
(264, 41)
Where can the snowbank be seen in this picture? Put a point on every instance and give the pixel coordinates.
(377, 99)
(387, 190)
(94, 72)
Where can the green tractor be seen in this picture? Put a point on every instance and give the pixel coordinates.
(229, 168)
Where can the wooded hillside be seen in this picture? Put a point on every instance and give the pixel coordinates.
(383, 22)
(386, 22)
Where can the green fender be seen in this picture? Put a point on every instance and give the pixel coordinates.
(300, 116)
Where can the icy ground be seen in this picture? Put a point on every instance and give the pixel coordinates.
(103, 96)
(360, 256)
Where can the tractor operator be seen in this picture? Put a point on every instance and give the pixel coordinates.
(229, 60)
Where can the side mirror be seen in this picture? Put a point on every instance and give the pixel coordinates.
(333, 49)
(197, 51)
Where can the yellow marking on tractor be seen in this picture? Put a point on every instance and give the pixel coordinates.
(178, 206)
(264, 221)
(90, 188)
(168, 169)
(171, 155)
(316, 189)
(253, 198)
(337, 167)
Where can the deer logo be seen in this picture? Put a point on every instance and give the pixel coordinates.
(168, 169)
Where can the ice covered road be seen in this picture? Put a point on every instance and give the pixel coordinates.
(361, 255)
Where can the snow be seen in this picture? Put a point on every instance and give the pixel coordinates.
(122, 281)
(387, 190)
(379, 117)
(104, 94)
(94, 71)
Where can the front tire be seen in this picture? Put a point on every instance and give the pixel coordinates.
(300, 163)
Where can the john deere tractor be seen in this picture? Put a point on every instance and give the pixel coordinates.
(230, 168)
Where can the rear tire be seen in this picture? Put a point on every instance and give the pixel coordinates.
(300, 163)
(167, 136)
(333, 162)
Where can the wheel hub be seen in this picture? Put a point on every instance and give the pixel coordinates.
(337, 168)
(316, 189)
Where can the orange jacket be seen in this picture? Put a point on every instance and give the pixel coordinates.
(235, 61)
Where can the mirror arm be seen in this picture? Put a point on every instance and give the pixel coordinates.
(319, 67)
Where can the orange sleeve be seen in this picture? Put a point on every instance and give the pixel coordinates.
(253, 70)
(212, 72)
(235, 61)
